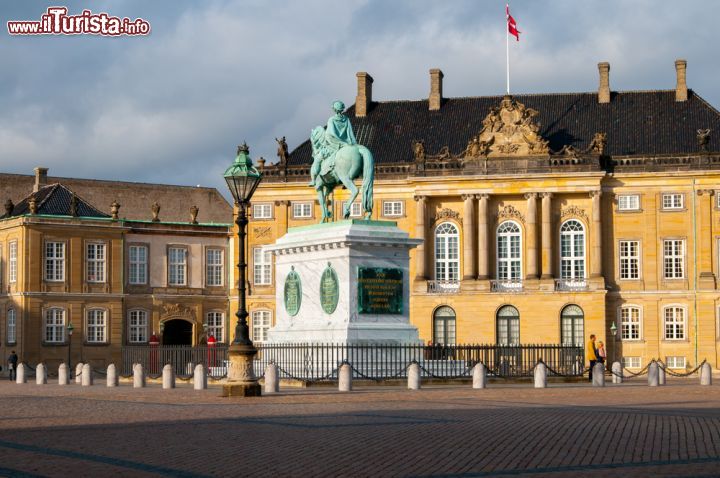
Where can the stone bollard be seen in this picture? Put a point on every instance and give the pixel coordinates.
(540, 375)
(414, 376)
(138, 376)
(63, 378)
(111, 376)
(168, 377)
(78, 372)
(345, 378)
(599, 375)
(199, 377)
(653, 375)
(87, 375)
(479, 375)
(661, 375)
(617, 373)
(20, 374)
(705, 374)
(272, 381)
(40, 374)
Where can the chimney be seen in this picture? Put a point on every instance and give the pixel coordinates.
(364, 94)
(436, 77)
(681, 86)
(40, 178)
(604, 90)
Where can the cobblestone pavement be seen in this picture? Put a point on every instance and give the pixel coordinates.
(505, 430)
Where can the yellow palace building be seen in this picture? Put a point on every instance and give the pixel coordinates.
(545, 217)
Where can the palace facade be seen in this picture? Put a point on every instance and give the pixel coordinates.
(545, 217)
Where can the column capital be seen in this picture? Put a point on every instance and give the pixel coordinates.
(282, 202)
(595, 193)
(465, 197)
(530, 195)
(483, 196)
(548, 195)
(420, 197)
(708, 192)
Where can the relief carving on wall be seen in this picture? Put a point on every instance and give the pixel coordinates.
(574, 211)
(263, 231)
(510, 212)
(447, 213)
(173, 310)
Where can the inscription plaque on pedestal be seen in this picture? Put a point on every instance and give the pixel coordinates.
(380, 290)
(293, 292)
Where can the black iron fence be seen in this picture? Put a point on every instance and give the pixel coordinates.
(320, 362)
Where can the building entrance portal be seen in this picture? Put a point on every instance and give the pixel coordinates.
(177, 332)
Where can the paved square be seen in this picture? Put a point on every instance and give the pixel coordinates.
(505, 430)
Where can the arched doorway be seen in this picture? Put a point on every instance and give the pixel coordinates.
(177, 332)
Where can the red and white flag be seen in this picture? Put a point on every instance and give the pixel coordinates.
(511, 24)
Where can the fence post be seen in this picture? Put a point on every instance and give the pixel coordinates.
(111, 376)
(617, 373)
(479, 375)
(63, 374)
(138, 376)
(20, 376)
(87, 375)
(272, 382)
(598, 375)
(414, 376)
(540, 375)
(78, 372)
(345, 378)
(168, 377)
(705, 374)
(199, 377)
(653, 375)
(40, 374)
(661, 375)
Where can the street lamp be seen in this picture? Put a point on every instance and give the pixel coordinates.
(242, 179)
(613, 331)
(70, 329)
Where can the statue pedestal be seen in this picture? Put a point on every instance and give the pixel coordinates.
(345, 282)
(241, 381)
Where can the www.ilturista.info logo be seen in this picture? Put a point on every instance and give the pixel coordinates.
(57, 22)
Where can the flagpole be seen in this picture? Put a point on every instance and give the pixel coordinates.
(507, 48)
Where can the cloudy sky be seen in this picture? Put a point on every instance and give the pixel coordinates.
(171, 107)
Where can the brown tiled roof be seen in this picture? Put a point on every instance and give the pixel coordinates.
(636, 123)
(135, 199)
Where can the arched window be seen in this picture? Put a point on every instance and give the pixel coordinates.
(572, 251)
(444, 326)
(11, 326)
(572, 326)
(138, 323)
(55, 325)
(447, 253)
(508, 325)
(509, 252)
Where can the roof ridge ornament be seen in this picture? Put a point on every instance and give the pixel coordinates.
(509, 130)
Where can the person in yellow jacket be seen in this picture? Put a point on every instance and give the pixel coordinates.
(591, 354)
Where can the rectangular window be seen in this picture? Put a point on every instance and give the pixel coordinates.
(54, 326)
(214, 267)
(629, 259)
(672, 201)
(628, 202)
(11, 326)
(675, 362)
(177, 266)
(95, 262)
(137, 257)
(262, 211)
(355, 210)
(138, 327)
(262, 266)
(632, 362)
(215, 325)
(55, 261)
(12, 262)
(96, 332)
(674, 258)
(260, 325)
(392, 208)
(674, 323)
(302, 210)
(630, 323)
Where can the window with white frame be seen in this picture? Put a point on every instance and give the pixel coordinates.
(11, 326)
(509, 252)
(214, 267)
(392, 208)
(572, 250)
(262, 266)
(674, 323)
(672, 201)
(447, 253)
(138, 326)
(675, 361)
(216, 325)
(630, 323)
(444, 326)
(260, 325)
(674, 258)
(508, 325)
(95, 260)
(355, 210)
(177, 266)
(302, 210)
(12, 261)
(55, 261)
(138, 259)
(96, 326)
(628, 202)
(629, 252)
(54, 325)
(632, 362)
(262, 211)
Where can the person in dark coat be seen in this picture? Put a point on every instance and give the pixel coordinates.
(12, 364)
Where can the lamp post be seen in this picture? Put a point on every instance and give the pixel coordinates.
(70, 329)
(242, 179)
(613, 331)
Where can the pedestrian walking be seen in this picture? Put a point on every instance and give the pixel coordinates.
(601, 354)
(12, 365)
(591, 354)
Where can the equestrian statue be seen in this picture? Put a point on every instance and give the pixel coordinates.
(339, 160)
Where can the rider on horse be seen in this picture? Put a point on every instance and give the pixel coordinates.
(337, 134)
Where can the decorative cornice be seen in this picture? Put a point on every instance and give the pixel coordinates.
(574, 211)
(447, 213)
(509, 212)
